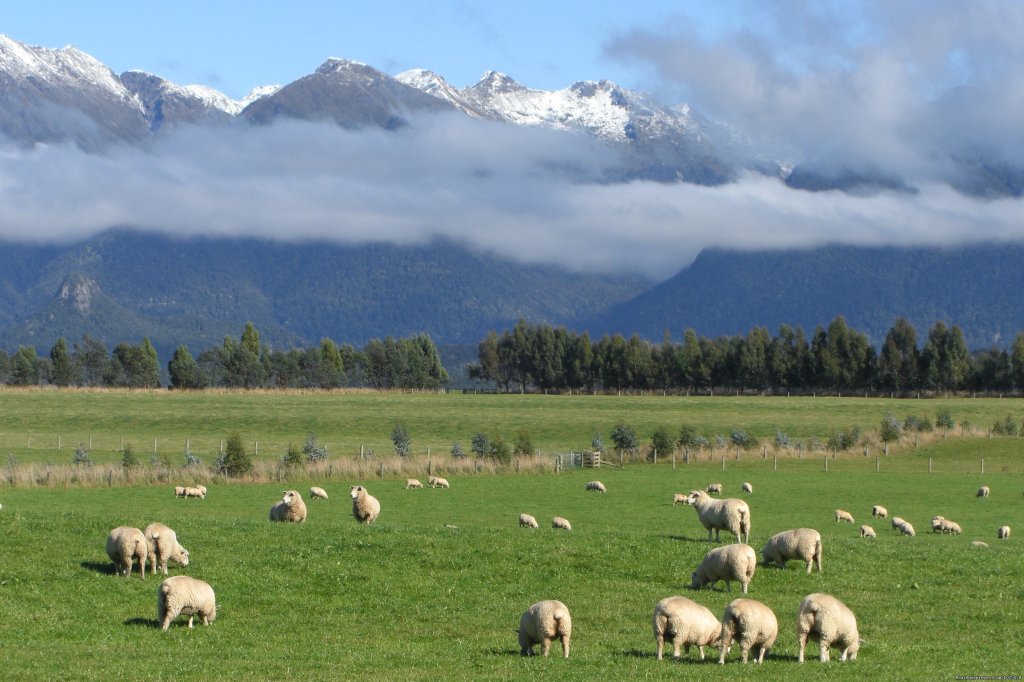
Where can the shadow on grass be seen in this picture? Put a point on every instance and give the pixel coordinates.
(494, 651)
(143, 622)
(683, 538)
(651, 655)
(104, 567)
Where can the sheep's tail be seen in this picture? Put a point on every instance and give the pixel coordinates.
(745, 523)
(817, 553)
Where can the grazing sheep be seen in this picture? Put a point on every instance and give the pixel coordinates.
(413, 483)
(596, 485)
(162, 545)
(316, 493)
(978, 544)
(525, 520)
(936, 523)
(947, 526)
(867, 531)
(559, 522)
(179, 491)
(202, 489)
(731, 562)
(184, 595)
(437, 482)
(906, 529)
(752, 624)
(1003, 533)
(289, 508)
(824, 618)
(896, 521)
(983, 491)
(801, 543)
(879, 512)
(747, 487)
(365, 507)
(680, 497)
(843, 515)
(729, 514)
(543, 623)
(126, 545)
(715, 488)
(685, 623)
(199, 492)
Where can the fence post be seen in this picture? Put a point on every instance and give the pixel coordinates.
(256, 447)
(876, 465)
(929, 465)
(90, 442)
(381, 468)
(686, 453)
(673, 460)
(154, 446)
(655, 456)
(723, 462)
(58, 442)
(775, 462)
(982, 466)
(764, 452)
(361, 455)
(826, 463)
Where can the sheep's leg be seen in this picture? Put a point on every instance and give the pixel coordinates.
(745, 652)
(660, 639)
(745, 584)
(824, 650)
(724, 645)
(190, 621)
(802, 637)
(565, 646)
(700, 648)
(810, 563)
(843, 656)
(760, 657)
(545, 647)
(677, 646)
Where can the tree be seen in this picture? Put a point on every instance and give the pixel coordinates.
(332, 367)
(313, 451)
(128, 459)
(522, 444)
(662, 442)
(1017, 362)
(183, 370)
(63, 369)
(944, 359)
(753, 360)
(624, 438)
(292, 457)
(5, 367)
(899, 359)
(91, 357)
(402, 439)
(480, 444)
(235, 460)
(251, 339)
(24, 367)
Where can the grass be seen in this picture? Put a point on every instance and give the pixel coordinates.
(410, 598)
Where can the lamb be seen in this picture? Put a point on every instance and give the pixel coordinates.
(365, 507)
(867, 531)
(685, 623)
(1003, 533)
(596, 485)
(947, 526)
(843, 515)
(413, 483)
(437, 482)
(729, 514)
(527, 521)
(824, 618)
(162, 545)
(543, 623)
(559, 522)
(747, 487)
(731, 562)
(289, 508)
(983, 491)
(184, 595)
(179, 491)
(199, 492)
(801, 543)
(680, 497)
(126, 545)
(715, 488)
(879, 512)
(906, 529)
(753, 624)
(316, 493)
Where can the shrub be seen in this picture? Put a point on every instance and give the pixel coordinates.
(1007, 426)
(313, 451)
(913, 423)
(457, 450)
(662, 442)
(235, 460)
(402, 439)
(81, 456)
(480, 444)
(522, 445)
(688, 437)
(499, 450)
(701, 442)
(781, 440)
(597, 442)
(742, 440)
(293, 457)
(719, 441)
(624, 438)
(944, 420)
(191, 460)
(128, 459)
(890, 429)
(160, 461)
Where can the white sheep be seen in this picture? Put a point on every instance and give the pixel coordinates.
(680, 497)
(202, 489)
(843, 515)
(179, 491)
(1003, 533)
(543, 623)
(947, 526)
(126, 545)
(978, 544)
(715, 488)
(936, 523)
(184, 595)
(730, 514)
(527, 521)
(896, 522)
(800, 543)
(730, 562)
(824, 618)
(162, 545)
(983, 491)
(365, 507)
(906, 529)
(560, 522)
(685, 623)
(199, 491)
(316, 493)
(289, 508)
(879, 512)
(413, 483)
(596, 485)
(867, 531)
(437, 482)
(747, 487)
(752, 624)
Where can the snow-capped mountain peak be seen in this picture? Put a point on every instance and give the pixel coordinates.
(497, 82)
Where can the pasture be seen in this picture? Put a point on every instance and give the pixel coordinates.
(411, 598)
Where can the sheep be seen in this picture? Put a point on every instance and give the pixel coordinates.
(437, 482)
(714, 488)
(1003, 533)
(316, 493)
(906, 529)
(983, 491)
(202, 489)
(126, 545)
(753, 624)
(843, 515)
(879, 512)
(801, 543)
(867, 531)
(747, 487)
(365, 507)
(179, 491)
(596, 485)
(289, 508)
(947, 526)
(824, 618)
(731, 562)
(680, 497)
(162, 545)
(897, 521)
(199, 492)
(543, 623)
(562, 523)
(184, 595)
(413, 483)
(978, 544)
(685, 623)
(937, 523)
(527, 521)
(729, 514)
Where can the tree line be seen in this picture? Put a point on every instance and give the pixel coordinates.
(245, 362)
(835, 358)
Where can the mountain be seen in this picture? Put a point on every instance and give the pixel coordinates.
(122, 285)
(729, 292)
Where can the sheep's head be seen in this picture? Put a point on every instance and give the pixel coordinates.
(290, 497)
(182, 556)
(356, 489)
(695, 496)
